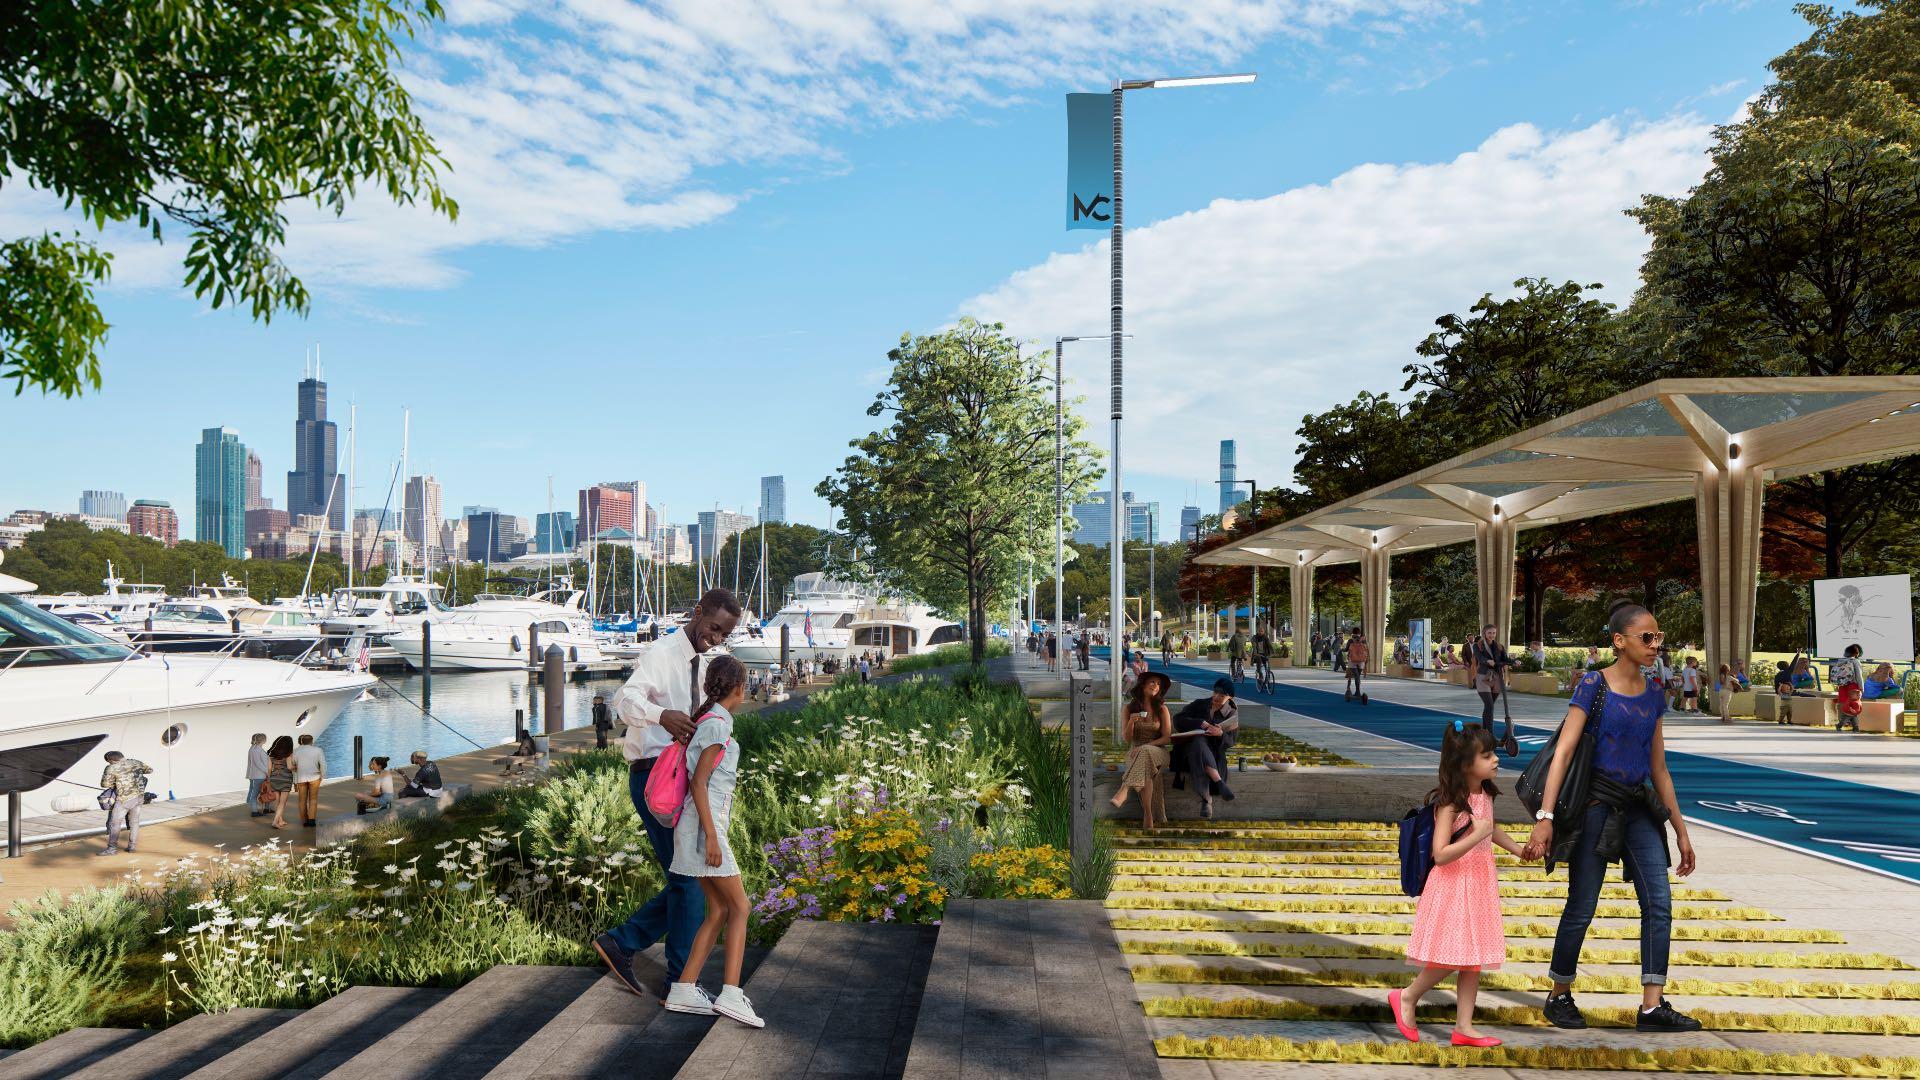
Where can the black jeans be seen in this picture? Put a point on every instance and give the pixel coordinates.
(1487, 698)
(1200, 753)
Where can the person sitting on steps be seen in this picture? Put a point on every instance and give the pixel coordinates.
(1202, 757)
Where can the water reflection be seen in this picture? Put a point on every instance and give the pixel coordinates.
(477, 705)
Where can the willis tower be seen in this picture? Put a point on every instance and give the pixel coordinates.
(315, 458)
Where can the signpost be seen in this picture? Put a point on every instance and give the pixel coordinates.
(1080, 704)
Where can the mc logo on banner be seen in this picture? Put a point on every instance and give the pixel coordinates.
(1089, 161)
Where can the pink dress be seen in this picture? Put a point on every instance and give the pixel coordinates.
(1457, 922)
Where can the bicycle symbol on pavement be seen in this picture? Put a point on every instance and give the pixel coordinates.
(1763, 809)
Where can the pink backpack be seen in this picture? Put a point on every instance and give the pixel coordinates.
(667, 784)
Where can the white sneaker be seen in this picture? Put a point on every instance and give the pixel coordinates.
(734, 1005)
(689, 998)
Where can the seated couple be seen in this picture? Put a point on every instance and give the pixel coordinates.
(424, 784)
(1192, 743)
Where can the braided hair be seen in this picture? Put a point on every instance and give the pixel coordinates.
(724, 675)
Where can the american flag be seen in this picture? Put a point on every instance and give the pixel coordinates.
(808, 628)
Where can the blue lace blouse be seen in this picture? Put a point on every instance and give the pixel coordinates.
(1623, 739)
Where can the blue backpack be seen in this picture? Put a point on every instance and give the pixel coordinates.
(1416, 848)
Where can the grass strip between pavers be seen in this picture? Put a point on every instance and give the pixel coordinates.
(1207, 975)
(1179, 854)
(1750, 1062)
(1159, 842)
(1518, 954)
(1250, 1008)
(1281, 868)
(1175, 884)
(1384, 828)
(1681, 931)
(1211, 902)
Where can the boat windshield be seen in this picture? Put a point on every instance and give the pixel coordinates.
(31, 636)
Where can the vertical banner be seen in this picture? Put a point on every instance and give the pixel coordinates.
(1418, 632)
(1089, 161)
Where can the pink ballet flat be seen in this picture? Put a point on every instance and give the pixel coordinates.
(1469, 1040)
(1412, 1033)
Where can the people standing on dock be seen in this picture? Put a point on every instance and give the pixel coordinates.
(602, 721)
(280, 777)
(1623, 815)
(656, 704)
(309, 769)
(256, 774)
(701, 851)
(863, 667)
(126, 779)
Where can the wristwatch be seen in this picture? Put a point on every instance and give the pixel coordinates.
(1543, 815)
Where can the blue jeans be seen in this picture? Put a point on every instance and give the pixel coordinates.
(253, 794)
(675, 914)
(1644, 854)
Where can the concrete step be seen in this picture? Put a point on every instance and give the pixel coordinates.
(69, 1052)
(179, 1050)
(321, 1038)
(473, 1029)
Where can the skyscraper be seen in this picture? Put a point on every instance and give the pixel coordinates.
(220, 491)
(554, 533)
(155, 518)
(1189, 517)
(773, 500)
(422, 521)
(1143, 522)
(717, 527)
(254, 502)
(1094, 521)
(1229, 490)
(315, 473)
(606, 506)
(106, 504)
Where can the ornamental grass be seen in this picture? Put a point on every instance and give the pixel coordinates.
(1327, 1051)
(1211, 975)
(1518, 954)
(1251, 1008)
(1681, 931)
(1210, 902)
(1229, 884)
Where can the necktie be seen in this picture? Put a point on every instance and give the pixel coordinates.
(693, 677)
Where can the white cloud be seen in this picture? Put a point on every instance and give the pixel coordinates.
(563, 118)
(1248, 314)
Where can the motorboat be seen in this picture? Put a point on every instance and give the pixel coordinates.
(500, 632)
(176, 626)
(124, 602)
(373, 612)
(903, 630)
(818, 618)
(92, 620)
(283, 633)
(189, 716)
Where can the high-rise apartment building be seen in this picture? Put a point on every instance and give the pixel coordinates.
(670, 545)
(315, 474)
(104, 504)
(717, 527)
(155, 518)
(421, 525)
(1189, 517)
(606, 506)
(1230, 496)
(220, 491)
(553, 533)
(773, 500)
(1143, 522)
(1094, 518)
(490, 537)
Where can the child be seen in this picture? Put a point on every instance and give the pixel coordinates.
(700, 848)
(1456, 926)
(1690, 685)
(1723, 690)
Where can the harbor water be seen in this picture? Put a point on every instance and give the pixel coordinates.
(471, 710)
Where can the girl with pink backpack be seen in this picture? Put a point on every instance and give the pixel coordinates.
(701, 850)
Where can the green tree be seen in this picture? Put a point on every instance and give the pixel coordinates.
(210, 116)
(949, 500)
(1362, 444)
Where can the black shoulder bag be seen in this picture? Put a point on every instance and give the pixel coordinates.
(1575, 785)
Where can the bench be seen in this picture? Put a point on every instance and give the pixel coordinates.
(1811, 710)
(337, 830)
(1766, 705)
(1882, 715)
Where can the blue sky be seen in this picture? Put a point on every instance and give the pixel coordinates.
(694, 216)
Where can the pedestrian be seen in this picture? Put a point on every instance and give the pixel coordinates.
(1490, 663)
(701, 850)
(656, 704)
(1848, 685)
(1201, 759)
(1623, 815)
(280, 777)
(1593, 659)
(1456, 924)
(602, 721)
(1723, 691)
(380, 794)
(124, 780)
(864, 667)
(1690, 685)
(256, 774)
(425, 782)
(1086, 649)
(1149, 731)
(309, 769)
(1357, 657)
(1053, 650)
(1166, 649)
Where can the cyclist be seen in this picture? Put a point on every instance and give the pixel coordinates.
(1237, 654)
(1262, 653)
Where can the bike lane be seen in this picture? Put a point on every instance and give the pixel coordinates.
(1860, 825)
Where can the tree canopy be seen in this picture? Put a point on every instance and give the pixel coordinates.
(208, 117)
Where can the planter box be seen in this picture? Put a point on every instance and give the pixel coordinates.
(1881, 716)
(1404, 671)
(1460, 676)
(1766, 705)
(1538, 682)
(1811, 710)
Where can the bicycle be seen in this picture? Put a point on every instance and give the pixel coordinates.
(1237, 670)
(1262, 674)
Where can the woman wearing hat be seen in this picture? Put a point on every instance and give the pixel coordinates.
(1149, 731)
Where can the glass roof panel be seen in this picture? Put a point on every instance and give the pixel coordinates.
(1409, 492)
(1497, 491)
(1509, 457)
(1744, 412)
(1641, 418)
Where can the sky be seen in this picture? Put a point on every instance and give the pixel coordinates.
(691, 230)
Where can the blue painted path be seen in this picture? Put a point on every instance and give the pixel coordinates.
(1873, 828)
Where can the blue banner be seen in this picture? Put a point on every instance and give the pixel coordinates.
(1089, 161)
(1419, 631)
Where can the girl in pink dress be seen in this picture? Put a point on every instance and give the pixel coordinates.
(1456, 927)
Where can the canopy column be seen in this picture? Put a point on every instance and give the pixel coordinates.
(1373, 607)
(1300, 577)
(1727, 505)
(1493, 550)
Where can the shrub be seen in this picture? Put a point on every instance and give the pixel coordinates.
(580, 812)
(873, 868)
(1027, 873)
(64, 960)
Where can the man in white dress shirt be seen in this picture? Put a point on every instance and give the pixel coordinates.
(664, 688)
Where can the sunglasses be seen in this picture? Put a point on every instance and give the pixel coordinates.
(1649, 638)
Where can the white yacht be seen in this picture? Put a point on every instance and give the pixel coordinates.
(124, 602)
(496, 632)
(188, 716)
(900, 629)
(375, 611)
(819, 619)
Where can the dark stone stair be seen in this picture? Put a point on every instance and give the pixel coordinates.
(68, 1052)
(174, 1052)
(320, 1039)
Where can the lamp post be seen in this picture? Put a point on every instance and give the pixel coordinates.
(1116, 567)
(1253, 511)
(1059, 471)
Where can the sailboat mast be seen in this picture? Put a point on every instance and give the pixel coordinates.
(353, 454)
(406, 421)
